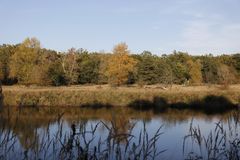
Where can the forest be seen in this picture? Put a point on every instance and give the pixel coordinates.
(27, 63)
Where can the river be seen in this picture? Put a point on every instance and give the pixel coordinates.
(116, 133)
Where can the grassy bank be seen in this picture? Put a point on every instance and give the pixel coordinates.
(97, 96)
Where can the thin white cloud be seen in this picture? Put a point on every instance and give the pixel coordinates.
(209, 37)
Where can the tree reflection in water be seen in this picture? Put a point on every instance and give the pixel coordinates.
(71, 133)
(40, 137)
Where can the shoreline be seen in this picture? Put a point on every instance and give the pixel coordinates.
(104, 96)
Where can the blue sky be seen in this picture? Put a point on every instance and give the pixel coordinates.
(160, 26)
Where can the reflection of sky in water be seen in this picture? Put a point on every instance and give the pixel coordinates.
(171, 139)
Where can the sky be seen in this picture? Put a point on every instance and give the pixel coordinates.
(160, 26)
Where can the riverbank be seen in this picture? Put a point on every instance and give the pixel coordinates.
(106, 96)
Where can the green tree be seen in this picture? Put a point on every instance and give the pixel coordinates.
(236, 63)
(147, 68)
(103, 66)
(88, 68)
(178, 63)
(165, 73)
(70, 66)
(153, 69)
(210, 69)
(56, 73)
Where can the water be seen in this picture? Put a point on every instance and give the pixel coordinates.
(47, 133)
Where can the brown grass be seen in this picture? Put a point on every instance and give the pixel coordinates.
(132, 88)
(117, 96)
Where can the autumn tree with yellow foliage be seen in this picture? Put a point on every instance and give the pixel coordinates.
(120, 65)
(24, 62)
(29, 65)
(195, 71)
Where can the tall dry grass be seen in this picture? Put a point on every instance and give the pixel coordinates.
(120, 96)
(223, 142)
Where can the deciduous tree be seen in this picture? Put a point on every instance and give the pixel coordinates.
(6, 51)
(70, 66)
(225, 74)
(195, 72)
(88, 68)
(120, 65)
(24, 61)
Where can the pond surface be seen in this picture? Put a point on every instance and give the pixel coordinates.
(116, 133)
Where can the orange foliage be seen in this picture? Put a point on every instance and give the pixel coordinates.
(120, 65)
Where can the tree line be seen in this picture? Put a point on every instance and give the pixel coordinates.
(28, 63)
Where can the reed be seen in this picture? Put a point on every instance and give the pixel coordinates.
(81, 142)
(221, 143)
